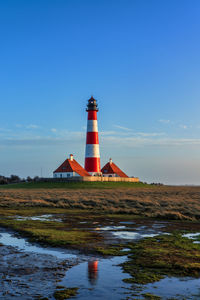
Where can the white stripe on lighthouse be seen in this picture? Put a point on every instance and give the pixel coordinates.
(92, 126)
(92, 150)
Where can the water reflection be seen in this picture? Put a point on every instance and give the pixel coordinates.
(93, 271)
(8, 239)
(98, 279)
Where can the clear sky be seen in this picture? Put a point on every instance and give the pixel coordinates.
(139, 58)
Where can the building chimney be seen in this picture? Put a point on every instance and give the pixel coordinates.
(110, 160)
(71, 157)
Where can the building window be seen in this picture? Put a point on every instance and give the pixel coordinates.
(60, 175)
(68, 175)
(110, 175)
(55, 175)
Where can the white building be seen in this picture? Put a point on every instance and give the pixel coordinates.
(70, 168)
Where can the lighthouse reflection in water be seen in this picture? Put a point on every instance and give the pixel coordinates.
(93, 271)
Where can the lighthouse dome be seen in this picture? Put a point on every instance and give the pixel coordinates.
(92, 104)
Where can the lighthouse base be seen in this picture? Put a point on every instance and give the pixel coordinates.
(95, 173)
(91, 179)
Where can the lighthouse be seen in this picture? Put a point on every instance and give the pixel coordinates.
(71, 168)
(92, 154)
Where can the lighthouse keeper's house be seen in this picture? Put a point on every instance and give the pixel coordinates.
(70, 168)
(112, 170)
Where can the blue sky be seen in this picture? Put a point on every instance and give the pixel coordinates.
(140, 60)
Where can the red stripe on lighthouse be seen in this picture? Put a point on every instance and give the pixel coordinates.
(92, 115)
(92, 164)
(92, 138)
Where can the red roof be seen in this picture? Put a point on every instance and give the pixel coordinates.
(111, 168)
(71, 166)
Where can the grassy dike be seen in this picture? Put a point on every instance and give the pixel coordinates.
(75, 185)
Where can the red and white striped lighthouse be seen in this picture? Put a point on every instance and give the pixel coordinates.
(92, 154)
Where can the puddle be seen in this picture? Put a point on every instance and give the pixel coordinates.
(142, 228)
(136, 233)
(158, 225)
(29, 271)
(191, 235)
(170, 287)
(39, 218)
(132, 235)
(112, 227)
(9, 239)
(98, 279)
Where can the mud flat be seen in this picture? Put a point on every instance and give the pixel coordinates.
(28, 274)
(152, 201)
(133, 259)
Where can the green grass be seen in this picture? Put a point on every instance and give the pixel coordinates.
(152, 259)
(55, 234)
(67, 234)
(64, 234)
(37, 211)
(66, 293)
(149, 296)
(74, 185)
(113, 250)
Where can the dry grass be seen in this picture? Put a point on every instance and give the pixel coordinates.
(160, 202)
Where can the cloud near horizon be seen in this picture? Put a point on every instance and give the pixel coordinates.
(122, 127)
(24, 152)
(164, 121)
(133, 139)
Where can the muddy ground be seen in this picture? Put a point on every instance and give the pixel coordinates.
(28, 275)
